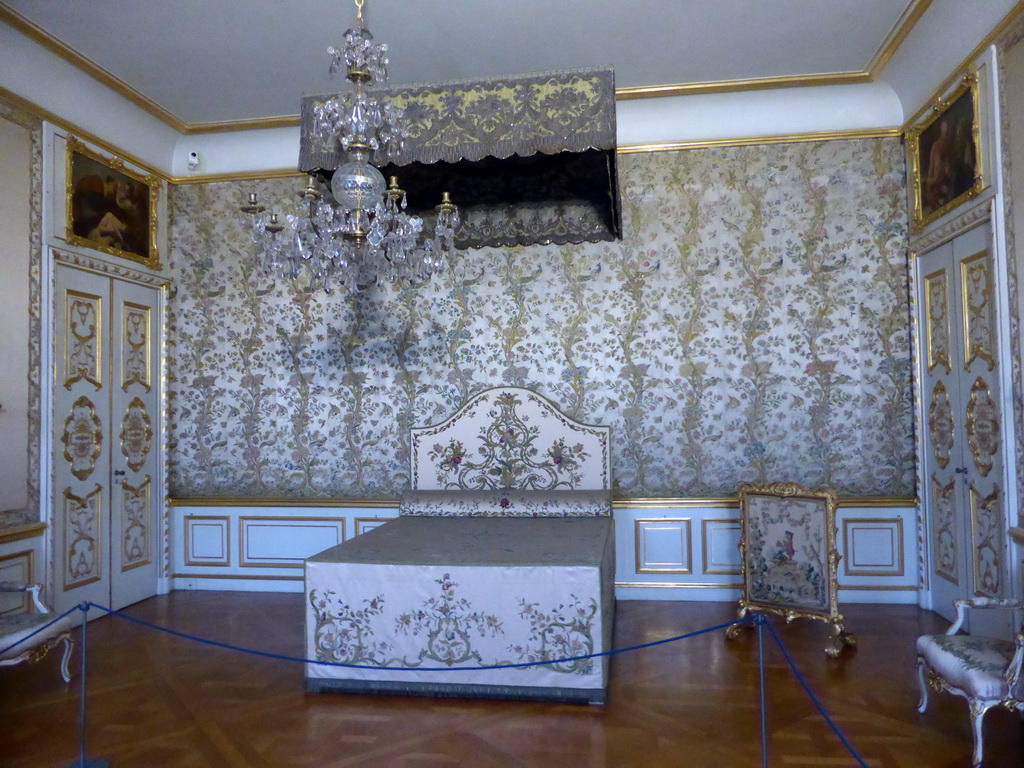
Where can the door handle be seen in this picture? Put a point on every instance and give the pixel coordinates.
(120, 472)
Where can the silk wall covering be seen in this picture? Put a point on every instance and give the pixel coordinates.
(752, 325)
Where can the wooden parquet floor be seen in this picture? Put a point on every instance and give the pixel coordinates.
(158, 701)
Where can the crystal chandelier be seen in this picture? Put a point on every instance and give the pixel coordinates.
(357, 232)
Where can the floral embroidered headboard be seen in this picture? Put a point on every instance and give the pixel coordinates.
(513, 449)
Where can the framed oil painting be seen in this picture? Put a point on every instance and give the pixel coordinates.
(790, 559)
(111, 208)
(945, 155)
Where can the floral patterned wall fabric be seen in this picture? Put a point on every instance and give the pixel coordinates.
(752, 325)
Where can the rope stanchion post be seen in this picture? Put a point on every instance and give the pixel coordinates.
(760, 621)
(83, 761)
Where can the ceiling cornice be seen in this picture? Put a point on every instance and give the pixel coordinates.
(34, 32)
(750, 84)
(896, 36)
(959, 72)
(34, 109)
(892, 42)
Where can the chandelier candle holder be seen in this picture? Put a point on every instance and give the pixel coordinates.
(356, 232)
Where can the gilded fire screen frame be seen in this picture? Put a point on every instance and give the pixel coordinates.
(121, 203)
(946, 168)
(790, 557)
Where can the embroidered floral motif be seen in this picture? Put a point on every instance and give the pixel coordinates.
(448, 624)
(345, 636)
(566, 632)
(509, 455)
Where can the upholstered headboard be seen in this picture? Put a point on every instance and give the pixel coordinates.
(510, 450)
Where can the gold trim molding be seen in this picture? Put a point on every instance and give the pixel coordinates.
(671, 585)
(743, 141)
(392, 503)
(27, 531)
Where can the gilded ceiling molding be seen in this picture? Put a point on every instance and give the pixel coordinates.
(671, 146)
(958, 72)
(789, 138)
(44, 114)
(749, 84)
(34, 32)
(911, 15)
(889, 46)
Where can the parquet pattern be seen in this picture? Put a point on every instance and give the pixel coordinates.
(163, 702)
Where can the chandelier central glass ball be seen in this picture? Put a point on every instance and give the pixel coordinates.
(357, 184)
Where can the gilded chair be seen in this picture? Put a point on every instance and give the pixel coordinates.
(18, 644)
(983, 670)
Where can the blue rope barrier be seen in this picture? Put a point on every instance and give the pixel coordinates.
(758, 619)
(814, 699)
(36, 632)
(521, 665)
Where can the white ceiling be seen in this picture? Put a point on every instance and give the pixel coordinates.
(235, 60)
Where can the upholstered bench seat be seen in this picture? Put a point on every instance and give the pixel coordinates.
(975, 665)
(23, 637)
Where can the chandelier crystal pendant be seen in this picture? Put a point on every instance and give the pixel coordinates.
(357, 232)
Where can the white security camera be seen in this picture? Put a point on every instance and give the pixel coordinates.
(193, 161)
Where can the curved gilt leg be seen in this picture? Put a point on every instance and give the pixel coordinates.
(840, 637)
(978, 710)
(68, 647)
(922, 679)
(734, 631)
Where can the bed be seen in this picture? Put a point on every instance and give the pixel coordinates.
(502, 555)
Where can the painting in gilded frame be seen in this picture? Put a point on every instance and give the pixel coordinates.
(789, 553)
(109, 207)
(945, 155)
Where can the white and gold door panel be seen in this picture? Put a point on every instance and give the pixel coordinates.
(106, 426)
(963, 493)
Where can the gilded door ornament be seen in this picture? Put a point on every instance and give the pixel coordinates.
(82, 538)
(977, 295)
(135, 346)
(982, 426)
(82, 338)
(989, 545)
(136, 517)
(136, 434)
(82, 438)
(944, 525)
(940, 424)
(936, 298)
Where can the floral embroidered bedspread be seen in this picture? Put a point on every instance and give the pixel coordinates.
(438, 600)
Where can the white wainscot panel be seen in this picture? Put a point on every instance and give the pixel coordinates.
(232, 545)
(287, 541)
(879, 554)
(720, 545)
(663, 545)
(207, 540)
(873, 547)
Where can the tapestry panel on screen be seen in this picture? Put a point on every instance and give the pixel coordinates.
(752, 325)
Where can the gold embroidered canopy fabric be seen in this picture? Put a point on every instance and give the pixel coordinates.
(528, 158)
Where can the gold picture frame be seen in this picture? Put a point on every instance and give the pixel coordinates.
(945, 155)
(790, 558)
(111, 208)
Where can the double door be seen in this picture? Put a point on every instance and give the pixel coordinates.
(964, 488)
(106, 455)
